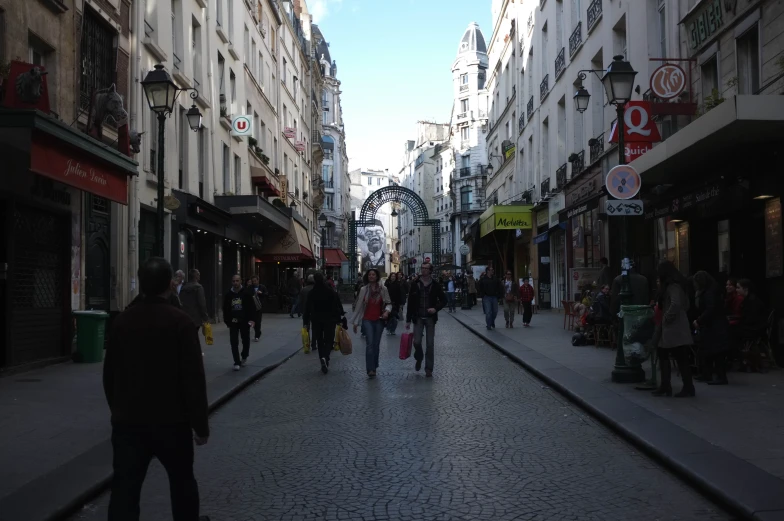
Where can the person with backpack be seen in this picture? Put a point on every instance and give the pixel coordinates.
(425, 300)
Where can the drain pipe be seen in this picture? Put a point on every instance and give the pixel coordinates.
(135, 123)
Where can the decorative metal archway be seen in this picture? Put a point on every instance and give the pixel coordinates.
(367, 214)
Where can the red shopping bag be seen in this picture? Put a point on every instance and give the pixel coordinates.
(406, 343)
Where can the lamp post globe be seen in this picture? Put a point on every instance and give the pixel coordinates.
(194, 118)
(322, 220)
(160, 90)
(581, 99)
(490, 169)
(618, 81)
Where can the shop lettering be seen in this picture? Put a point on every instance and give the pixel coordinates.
(75, 168)
(512, 223)
(707, 194)
(705, 24)
(285, 258)
(577, 211)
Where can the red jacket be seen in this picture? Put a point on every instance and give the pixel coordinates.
(526, 293)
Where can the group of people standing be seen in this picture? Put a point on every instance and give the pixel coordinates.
(506, 294)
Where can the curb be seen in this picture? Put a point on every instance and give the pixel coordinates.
(25, 503)
(719, 493)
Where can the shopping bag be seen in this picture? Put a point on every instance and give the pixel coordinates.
(336, 340)
(305, 340)
(206, 328)
(406, 343)
(345, 342)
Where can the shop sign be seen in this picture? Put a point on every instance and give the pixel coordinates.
(54, 160)
(638, 125)
(508, 149)
(587, 186)
(668, 81)
(706, 22)
(635, 150)
(505, 218)
(541, 218)
(241, 125)
(557, 204)
(542, 237)
(281, 258)
(684, 202)
(579, 209)
(290, 132)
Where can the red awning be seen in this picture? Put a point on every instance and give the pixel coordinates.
(333, 257)
(262, 181)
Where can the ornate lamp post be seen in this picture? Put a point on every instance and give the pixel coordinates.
(618, 81)
(322, 220)
(161, 94)
(463, 255)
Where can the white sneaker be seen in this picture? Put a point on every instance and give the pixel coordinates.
(236, 367)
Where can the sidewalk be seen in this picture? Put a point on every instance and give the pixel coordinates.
(727, 441)
(54, 421)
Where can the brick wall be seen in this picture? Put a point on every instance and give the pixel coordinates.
(123, 73)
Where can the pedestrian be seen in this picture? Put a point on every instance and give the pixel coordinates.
(511, 290)
(605, 276)
(179, 280)
(371, 309)
(527, 298)
(673, 336)
(395, 289)
(322, 313)
(238, 314)
(153, 378)
(194, 303)
(258, 290)
(490, 290)
(712, 330)
(471, 289)
(405, 286)
(294, 289)
(450, 294)
(303, 296)
(425, 301)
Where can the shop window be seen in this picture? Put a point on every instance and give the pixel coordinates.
(98, 53)
(748, 61)
(710, 76)
(586, 239)
(665, 239)
(724, 247)
(682, 235)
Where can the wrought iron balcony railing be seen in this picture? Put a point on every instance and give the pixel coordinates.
(560, 177)
(520, 124)
(576, 39)
(594, 13)
(468, 171)
(544, 189)
(560, 63)
(544, 87)
(597, 147)
(529, 110)
(578, 163)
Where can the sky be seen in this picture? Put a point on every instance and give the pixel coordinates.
(394, 62)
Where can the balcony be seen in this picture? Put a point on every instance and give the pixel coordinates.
(468, 171)
(576, 39)
(315, 137)
(594, 14)
(578, 163)
(544, 188)
(530, 22)
(520, 124)
(560, 177)
(329, 185)
(529, 110)
(596, 147)
(463, 88)
(560, 63)
(544, 87)
(462, 115)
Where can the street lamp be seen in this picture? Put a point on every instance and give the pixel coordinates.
(618, 81)
(161, 94)
(466, 297)
(322, 220)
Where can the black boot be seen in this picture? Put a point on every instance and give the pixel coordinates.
(685, 367)
(665, 388)
(720, 366)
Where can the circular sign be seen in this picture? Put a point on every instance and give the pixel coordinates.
(427, 259)
(413, 261)
(464, 249)
(668, 81)
(623, 182)
(241, 125)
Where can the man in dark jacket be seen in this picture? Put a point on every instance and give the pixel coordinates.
(323, 310)
(193, 300)
(303, 297)
(239, 313)
(153, 377)
(490, 291)
(259, 290)
(425, 300)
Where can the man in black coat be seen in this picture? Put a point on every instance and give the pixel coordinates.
(425, 300)
(153, 378)
(239, 314)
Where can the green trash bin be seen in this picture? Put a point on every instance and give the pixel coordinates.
(638, 328)
(90, 334)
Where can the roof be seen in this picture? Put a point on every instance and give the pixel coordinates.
(473, 40)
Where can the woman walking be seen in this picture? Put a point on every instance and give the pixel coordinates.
(395, 288)
(713, 329)
(673, 336)
(323, 311)
(371, 309)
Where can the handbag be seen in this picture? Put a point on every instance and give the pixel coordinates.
(257, 302)
(305, 340)
(406, 343)
(346, 347)
(206, 328)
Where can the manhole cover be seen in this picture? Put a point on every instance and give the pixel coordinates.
(29, 380)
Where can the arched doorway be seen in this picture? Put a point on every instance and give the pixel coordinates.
(367, 215)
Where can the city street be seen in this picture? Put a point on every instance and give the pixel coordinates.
(482, 439)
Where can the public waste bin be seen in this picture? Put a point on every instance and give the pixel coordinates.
(90, 334)
(638, 329)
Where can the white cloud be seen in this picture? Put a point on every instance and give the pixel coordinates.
(320, 9)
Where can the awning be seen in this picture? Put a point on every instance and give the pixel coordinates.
(334, 257)
(505, 217)
(263, 181)
(291, 246)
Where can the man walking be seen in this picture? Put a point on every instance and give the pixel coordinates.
(303, 298)
(490, 290)
(238, 314)
(153, 378)
(322, 311)
(194, 303)
(527, 298)
(260, 292)
(511, 291)
(425, 300)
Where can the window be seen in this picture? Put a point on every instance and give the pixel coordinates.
(370, 181)
(250, 59)
(262, 136)
(748, 61)
(325, 117)
(464, 79)
(226, 170)
(219, 12)
(196, 45)
(662, 19)
(710, 77)
(285, 72)
(39, 52)
(260, 78)
(378, 181)
(202, 155)
(237, 175)
(183, 146)
(98, 51)
(232, 91)
(247, 43)
(464, 105)
(285, 117)
(329, 202)
(466, 197)
(465, 133)
(326, 175)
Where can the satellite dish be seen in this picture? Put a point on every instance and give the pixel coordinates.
(171, 203)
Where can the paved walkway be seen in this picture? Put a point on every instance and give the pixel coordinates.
(54, 421)
(743, 422)
(482, 440)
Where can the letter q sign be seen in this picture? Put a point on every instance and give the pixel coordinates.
(638, 124)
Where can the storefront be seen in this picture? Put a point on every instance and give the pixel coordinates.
(56, 204)
(506, 232)
(285, 255)
(334, 259)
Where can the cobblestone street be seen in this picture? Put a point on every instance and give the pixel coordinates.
(482, 439)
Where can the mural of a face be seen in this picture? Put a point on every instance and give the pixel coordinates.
(374, 236)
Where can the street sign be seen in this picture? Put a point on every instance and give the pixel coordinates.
(427, 259)
(464, 249)
(628, 207)
(241, 125)
(638, 125)
(623, 182)
(668, 81)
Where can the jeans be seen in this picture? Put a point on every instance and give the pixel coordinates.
(324, 337)
(392, 323)
(428, 327)
(372, 329)
(257, 325)
(527, 312)
(134, 447)
(450, 298)
(490, 307)
(235, 332)
(510, 309)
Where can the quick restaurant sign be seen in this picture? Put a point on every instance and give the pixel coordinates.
(506, 217)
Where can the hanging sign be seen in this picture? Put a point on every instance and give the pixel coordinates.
(623, 182)
(638, 125)
(624, 207)
(290, 132)
(241, 125)
(668, 81)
